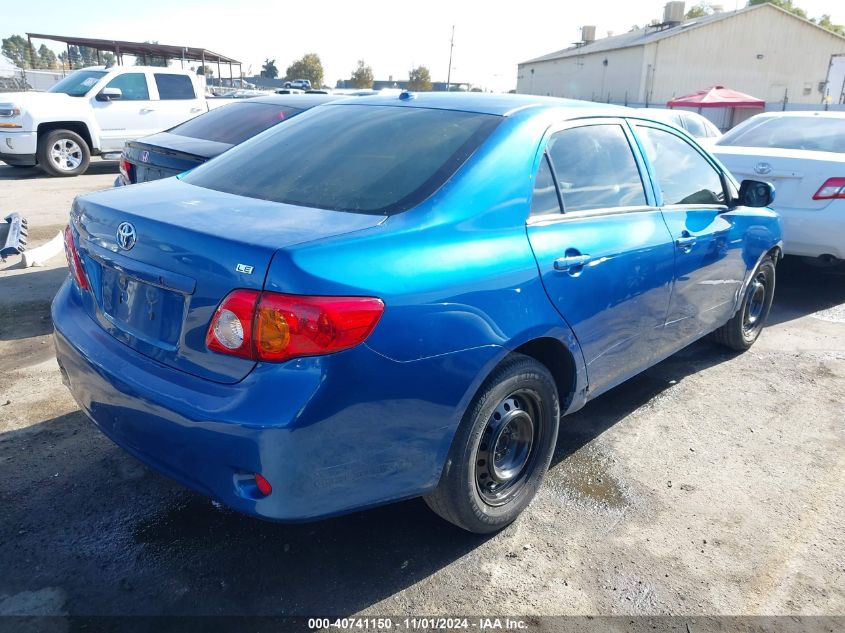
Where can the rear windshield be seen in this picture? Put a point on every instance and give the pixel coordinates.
(811, 133)
(235, 123)
(365, 159)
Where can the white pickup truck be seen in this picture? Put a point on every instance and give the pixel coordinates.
(94, 111)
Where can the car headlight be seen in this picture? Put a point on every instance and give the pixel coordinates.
(9, 111)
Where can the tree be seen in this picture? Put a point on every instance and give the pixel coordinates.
(825, 23)
(787, 5)
(308, 67)
(205, 70)
(18, 50)
(150, 60)
(269, 70)
(419, 79)
(783, 4)
(107, 57)
(47, 58)
(362, 77)
(698, 11)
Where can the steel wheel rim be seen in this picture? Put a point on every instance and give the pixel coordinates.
(66, 154)
(755, 303)
(507, 447)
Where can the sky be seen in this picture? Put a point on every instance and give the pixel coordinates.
(491, 37)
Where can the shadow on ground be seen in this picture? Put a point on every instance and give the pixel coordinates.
(802, 289)
(7, 172)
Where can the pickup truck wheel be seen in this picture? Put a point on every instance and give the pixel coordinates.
(502, 449)
(743, 329)
(63, 153)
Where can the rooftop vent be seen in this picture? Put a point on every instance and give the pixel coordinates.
(588, 34)
(673, 12)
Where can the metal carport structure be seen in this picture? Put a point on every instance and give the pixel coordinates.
(144, 51)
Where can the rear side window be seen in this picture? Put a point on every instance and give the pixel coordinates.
(235, 123)
(684, 175)
(545, 200)
(695, 126)
(595, 168)
(811, 133)
(133, 86)
(359, 158)
(174, 86)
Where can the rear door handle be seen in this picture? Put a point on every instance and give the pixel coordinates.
(145, 110)
(196, 109)
(571, 261)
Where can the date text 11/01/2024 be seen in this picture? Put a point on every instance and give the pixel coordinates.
(418, 623)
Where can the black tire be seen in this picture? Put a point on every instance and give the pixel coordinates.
(522, 393)
(63, 153)
(743, 329)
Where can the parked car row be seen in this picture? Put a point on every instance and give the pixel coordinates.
(398, 296)
(192, 143)
(94, 111)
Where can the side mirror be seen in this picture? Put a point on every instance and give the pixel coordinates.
(108, 94)
(753, 193)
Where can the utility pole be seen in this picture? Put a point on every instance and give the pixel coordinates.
(449, 74)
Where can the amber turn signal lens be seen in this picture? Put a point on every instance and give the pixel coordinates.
(273, 331)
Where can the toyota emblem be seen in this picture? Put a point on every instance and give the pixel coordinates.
(126, 236)
(763, 168)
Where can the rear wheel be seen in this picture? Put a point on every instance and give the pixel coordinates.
(743, 329)
(63, 153)
(502, 449)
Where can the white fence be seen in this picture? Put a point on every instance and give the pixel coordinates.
(14, 80)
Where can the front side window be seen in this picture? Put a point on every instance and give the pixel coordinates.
(174, 86)
(358, 158)
(133, 86)
(545, 200)
(595, 168)
(684, 175)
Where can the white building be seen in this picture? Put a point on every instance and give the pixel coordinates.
(762, 50)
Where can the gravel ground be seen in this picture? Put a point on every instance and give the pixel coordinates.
(710, 484)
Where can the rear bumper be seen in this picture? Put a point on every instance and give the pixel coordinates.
(331, 434)
(811, 232)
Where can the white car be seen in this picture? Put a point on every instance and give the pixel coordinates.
(697, 126)
(803, 155)
(94, 111)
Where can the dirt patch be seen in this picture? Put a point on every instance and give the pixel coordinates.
(25, 335)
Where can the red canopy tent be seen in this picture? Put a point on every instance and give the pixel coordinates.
(717, 97)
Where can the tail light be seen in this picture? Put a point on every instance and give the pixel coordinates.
(832, 189)
(276, 327)
(126, 170)
(73, 261)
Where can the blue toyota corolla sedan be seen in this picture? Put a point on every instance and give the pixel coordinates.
(400, 296)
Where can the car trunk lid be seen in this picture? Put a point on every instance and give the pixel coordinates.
(795, 174)
(165, 154)
(192, 246)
